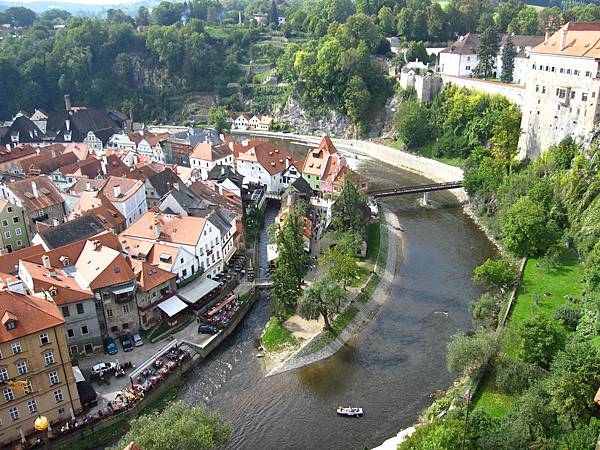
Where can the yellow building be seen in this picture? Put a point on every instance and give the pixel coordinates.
(33, 348)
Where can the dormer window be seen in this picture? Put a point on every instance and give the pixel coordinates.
(9, 320)
(11, 325)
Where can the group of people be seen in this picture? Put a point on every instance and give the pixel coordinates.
(222, 316)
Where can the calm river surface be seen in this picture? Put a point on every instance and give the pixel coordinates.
(389, 369)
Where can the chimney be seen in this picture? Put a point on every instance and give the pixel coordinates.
(46, 261)
(117, 190)
(135, 159)
(34, 189)
(97, 245)
(88, 186)
(548, 34)
(67, 102)
(37, 149)
(55, 222)
(104, 164)
(157, 229)
(563, 39)
(131, 119)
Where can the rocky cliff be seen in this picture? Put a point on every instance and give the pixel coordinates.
(333, 122)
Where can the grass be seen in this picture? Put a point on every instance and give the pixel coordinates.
(367, 292)
(566, 279)
(261, 77)
(100, 437)
(160, 329)
(373, 240)
(217, 32)
(340, 323)
(276, 336)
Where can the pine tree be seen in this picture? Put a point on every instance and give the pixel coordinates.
(487, 50)
(508, 61)
(273, 14)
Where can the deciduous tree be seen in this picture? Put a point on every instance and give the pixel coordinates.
(540, 340)
(217, 117)
(470, 354)
(324, 298)
(496, 273)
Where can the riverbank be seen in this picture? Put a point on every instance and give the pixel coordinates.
(358, 314)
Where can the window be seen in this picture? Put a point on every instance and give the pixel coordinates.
(22, 367)
(572, 94)
(19, 243)
(88, 348)
(84, 330)
(125, 309)
(562, 70)
(73, 350)
(9, 209)
(3, 374)
(109, 313)
(543, 89)
(588, 73)
(8, 395)
(70, 333)
(65, 311)
(467, 67)
(31, 406)
(537, 88)
(18, 231)
(48, 358)
(58, 396)
(576, 72)
(16, 347)
(568, 71)
(15, 220)
(53, 376)
(44, 339)
(553, 69)
(584, 96)
(80, 309)
(561, 93)
(7, 234)
(14, 413)
(5, 223)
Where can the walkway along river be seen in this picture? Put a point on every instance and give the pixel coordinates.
(389, 369)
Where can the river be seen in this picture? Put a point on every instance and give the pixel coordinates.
(389, 369)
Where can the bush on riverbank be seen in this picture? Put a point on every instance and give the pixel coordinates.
(276, 336)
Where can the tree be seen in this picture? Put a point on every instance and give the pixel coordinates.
(443, 434)
(356, 101)
(179, 426)
(341, 261)
(525, 228)
(385, 17)
(324, 298)
(217, 117)
(412, 124)
(496, 273)
(508, 60)
(485, 310)
(526, 22)
(512, 377)
(291, 261)
(574, 379)
(273, 12)
(350, 211)
(540, 340)
(471, 354)
(591, 273)
(532, 414)
(416, 51)
(337, 10)
(18, 16)
(487, 50)
(143, 17)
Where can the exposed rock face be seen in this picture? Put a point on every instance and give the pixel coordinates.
(333, 122)
(382, 124)
(593, 138)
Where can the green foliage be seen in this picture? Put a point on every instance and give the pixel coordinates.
(217, 117)
(574, 379)
(569, 316)
(513, 377)
(487, 50)
(179, 426)
(526, 22)
(276, 336)
(485, 310)
(412, 124)
(340, 261)
(592, 269)
(416, 51)
(499, 274)
(350, 211)
(508, 61)
(526, 229)
(540, 340)
(437, 435)
(472, 354)
(324, 298)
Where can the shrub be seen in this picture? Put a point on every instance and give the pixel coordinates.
(513, 377)
(569, 316)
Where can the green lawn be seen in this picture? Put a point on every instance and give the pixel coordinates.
(373, 240)
(218, 32)
(531, 299)
(277, 336)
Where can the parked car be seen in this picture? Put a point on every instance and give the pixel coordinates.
(126, 342)
(137, 340)
(110, 346)
(207, 329)
(102, 368)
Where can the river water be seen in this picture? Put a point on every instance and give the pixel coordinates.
(389, 369)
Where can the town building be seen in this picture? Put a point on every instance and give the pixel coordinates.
(270, 165)
(11, 154)
(128, 196)
(95, 204)
(563, 88)
(76, 303)
(260, 122)
(21, 129)
(34, 349)
(316, 164)
(84, 227)
(38, 197)
(13, 227)
(180, 145)
(207, 156)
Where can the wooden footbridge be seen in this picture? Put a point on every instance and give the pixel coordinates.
(424, 189)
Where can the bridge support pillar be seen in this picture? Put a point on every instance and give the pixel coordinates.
(425, 198)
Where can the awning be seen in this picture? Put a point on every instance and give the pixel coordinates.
(172, 306)
(197, 289)
(123, 289)
(272, 253)
(77, 374)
